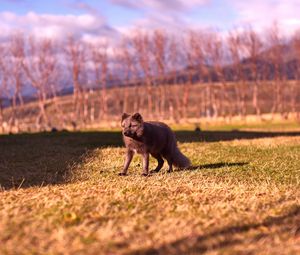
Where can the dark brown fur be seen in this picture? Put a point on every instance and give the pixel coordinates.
(154, 138)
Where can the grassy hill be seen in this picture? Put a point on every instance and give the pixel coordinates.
(201, 107)
(61, 195)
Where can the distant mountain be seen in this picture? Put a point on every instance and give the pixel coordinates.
(66, 91)
(5, 101)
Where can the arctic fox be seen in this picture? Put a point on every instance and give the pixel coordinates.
(155, 138)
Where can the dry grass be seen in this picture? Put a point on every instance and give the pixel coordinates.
(241, 197)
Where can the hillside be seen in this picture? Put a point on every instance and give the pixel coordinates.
(194, 104)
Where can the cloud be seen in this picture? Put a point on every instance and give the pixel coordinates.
(261, 14)
(154, 21)
(83, 6)
(55, 26)
(158, 5)
(172, 14)
(126, 3)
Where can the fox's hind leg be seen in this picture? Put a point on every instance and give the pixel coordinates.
(170, 163)
(160, 163)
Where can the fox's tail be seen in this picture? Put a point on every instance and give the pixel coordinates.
(179, 160)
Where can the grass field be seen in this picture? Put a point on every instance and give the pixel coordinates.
(60, 194)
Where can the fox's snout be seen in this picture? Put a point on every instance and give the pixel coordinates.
(127, 133)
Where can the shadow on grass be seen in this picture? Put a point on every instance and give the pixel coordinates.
(46, 158)
(214, 166)
(216, 136)
(227, 237)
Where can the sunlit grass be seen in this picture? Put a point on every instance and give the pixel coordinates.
(241, 196)
(243, 125)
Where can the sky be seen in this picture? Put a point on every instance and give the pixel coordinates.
(92, 20)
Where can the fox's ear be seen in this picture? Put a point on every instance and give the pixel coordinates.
(138, 117)
(125, 116)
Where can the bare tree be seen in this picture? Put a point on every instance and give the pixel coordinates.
(126, 61)
(174, 58)
(275, 56)
(212, 61)
(40, 67)
(199, 43)
(254, 45)
(295, 90)
(75, 54)
(235, 46)
(189, 73)
(12, 76)
(160, 39)
(17, 54)
(101, 63)
(56, 84)
(215, 51)
(3, 84)
(141, 44)
(16, 75)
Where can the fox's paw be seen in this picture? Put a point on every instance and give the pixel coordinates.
(145, 174)
(154, 171)
(122, 174)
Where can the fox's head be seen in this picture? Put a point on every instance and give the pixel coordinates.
(132, 125)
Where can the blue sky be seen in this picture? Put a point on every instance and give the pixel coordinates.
(110, 17)
(116, 13)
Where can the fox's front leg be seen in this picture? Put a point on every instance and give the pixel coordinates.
(129, 156)
(145, 164)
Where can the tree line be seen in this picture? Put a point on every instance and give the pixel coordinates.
(199, 73)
